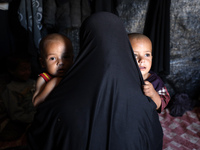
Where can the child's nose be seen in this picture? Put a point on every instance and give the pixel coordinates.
(60, 62)
(141, 59)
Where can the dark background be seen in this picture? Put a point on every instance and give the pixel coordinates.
(184, 75)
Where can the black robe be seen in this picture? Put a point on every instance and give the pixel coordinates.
(99, 105)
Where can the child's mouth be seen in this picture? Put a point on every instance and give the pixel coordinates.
(61, 70)
(142, 68)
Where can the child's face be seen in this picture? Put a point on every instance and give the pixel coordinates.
(22, 72)
(142, 49)
(58, 58)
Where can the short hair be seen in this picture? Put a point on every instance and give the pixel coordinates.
(137, 36)
(54, 37)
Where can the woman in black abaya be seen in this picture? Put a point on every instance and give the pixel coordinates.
(99, 105)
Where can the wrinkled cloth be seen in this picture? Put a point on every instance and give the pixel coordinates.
(99, 104)
(30, 17)
(59, 15)
(180, 103)
(4, 6)
(105, 5)
(157, 28)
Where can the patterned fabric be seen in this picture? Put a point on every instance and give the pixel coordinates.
(181, 133)
(45, 76)
(165, 97)
(162, 91)
(30, 17)
(159, 86)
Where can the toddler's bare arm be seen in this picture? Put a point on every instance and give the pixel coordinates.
(45, 91)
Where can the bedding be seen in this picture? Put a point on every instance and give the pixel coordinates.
(181, 133)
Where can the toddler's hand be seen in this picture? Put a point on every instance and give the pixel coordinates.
(149, 90)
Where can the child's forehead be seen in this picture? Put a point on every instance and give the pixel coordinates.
(54, 41)
(141, 46)
(144, 41)
(58, 41)
(57, 47)
(48, 44)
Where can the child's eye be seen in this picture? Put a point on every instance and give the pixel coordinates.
(52, 58)
(136, 55)
(147, 55)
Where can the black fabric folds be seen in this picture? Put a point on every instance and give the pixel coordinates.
(157, 28)
(99, 105)
(105, 5)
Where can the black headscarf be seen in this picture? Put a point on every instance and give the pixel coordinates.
(99, 105)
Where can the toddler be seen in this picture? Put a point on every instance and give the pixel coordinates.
(56, 57)
(18, 93)
(17, 97)
(154, 86)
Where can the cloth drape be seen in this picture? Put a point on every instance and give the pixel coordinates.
(99, 104)
(157, 28)
(59, 15)
(30, 17)
(105, 5)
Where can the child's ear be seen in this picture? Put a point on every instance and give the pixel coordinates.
(42, 62)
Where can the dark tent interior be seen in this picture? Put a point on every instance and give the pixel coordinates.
(172, 25)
